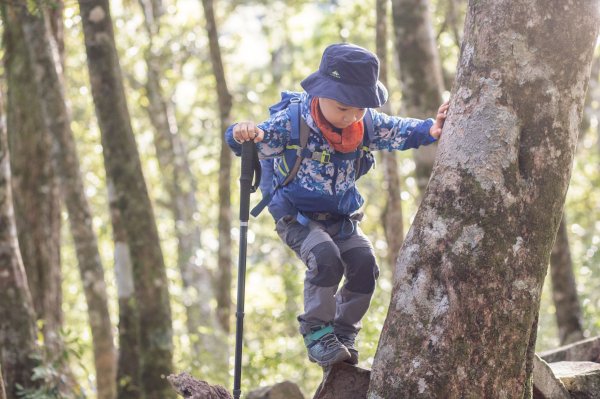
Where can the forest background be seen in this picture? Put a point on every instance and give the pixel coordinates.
(266, 47)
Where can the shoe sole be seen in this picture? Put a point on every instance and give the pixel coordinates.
(342, 357)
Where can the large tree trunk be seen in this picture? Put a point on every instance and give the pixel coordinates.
(420, 73)
(202, 323)
(463, 315)
(57, 120)
(564, 289)
(37, 212)
(124, 169)
(17, 316)
(225, 159)
(392, 211)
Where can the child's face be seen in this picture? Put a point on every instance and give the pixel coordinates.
(338, 114)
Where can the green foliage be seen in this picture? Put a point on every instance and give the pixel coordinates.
(49, 375)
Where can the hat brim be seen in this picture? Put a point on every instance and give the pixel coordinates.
(320, 85)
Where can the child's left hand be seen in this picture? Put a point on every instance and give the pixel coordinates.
(436, 129)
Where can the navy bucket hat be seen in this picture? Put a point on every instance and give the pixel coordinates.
(348, 74)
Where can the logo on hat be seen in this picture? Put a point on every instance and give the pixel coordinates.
(336, 74)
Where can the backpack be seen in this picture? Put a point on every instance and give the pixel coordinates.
(295, 152)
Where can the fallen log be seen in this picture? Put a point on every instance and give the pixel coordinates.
(587, 350)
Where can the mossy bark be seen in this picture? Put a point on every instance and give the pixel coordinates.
(17, 317)
(122, 163)
(35, 184)
(463, 315)
(50, 90)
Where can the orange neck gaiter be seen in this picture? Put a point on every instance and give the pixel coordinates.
(350, 138)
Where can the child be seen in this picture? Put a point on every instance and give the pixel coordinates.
(316, 213)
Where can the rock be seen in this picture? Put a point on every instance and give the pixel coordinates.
(582, 379)
(283, 390)
(343, 381)
(587, 350)
(190, 388)
(545, 384)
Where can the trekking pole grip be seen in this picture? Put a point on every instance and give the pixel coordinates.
(249, 159)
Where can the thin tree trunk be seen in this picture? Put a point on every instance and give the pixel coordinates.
(129, 384)
(594, 93)
(463, 315)
(57, 120)
(37, 212)
(420, 73)
(225, 160)
(17, 316)
(564, 289)
(202, 323)
(392, 211)
(124, 169)
(454, 17)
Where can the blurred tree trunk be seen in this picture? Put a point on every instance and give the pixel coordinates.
(129, 384)
(2, 391)
(463, 314)
(17, 316)
(392, 211)
(564, 289)
(202, 323)
(124, 170)
(586, 119)
(57, 120)
(224, 98)
(594, 94)
(420, 73)
(453, 12)
(37, 212)
(454, 19)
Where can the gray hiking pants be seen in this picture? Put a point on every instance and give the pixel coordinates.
(330, 255)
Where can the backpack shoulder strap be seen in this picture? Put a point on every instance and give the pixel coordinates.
(369, 130)
(295, 120)
(368, 134)
(300, 132)
(298, 140)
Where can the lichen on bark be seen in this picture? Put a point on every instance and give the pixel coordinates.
(466, 291)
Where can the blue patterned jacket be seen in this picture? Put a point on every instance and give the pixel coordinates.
(328, 187)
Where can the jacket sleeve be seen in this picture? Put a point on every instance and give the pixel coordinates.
(277, 134)
(396, 133)
(234, 145)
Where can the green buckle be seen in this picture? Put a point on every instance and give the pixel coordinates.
(315, 335)
(322, 157)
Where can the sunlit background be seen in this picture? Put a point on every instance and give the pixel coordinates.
(269, 46)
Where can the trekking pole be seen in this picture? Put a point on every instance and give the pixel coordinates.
(250, 170)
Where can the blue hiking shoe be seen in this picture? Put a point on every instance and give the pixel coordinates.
(324, 348)
(349, 341)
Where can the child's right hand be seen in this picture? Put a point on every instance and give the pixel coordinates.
(246, 131)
